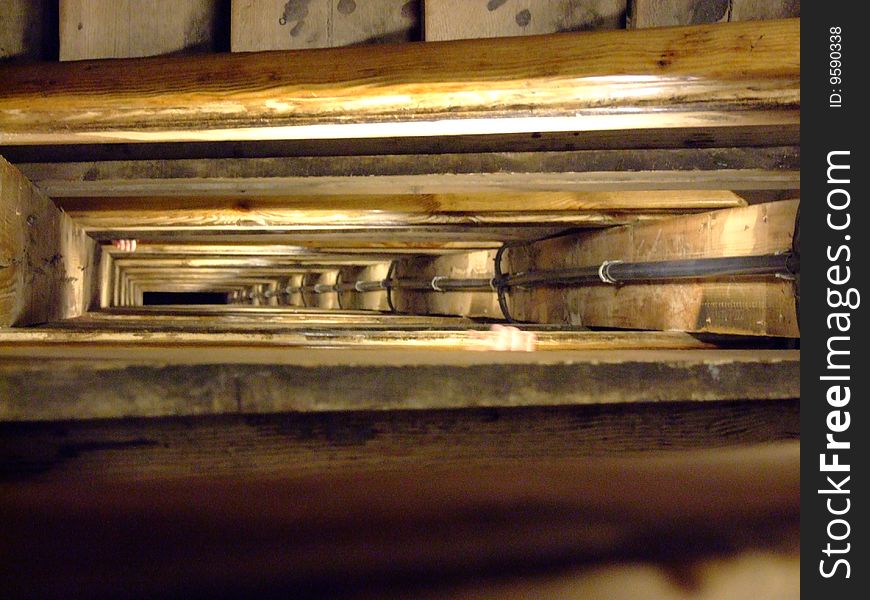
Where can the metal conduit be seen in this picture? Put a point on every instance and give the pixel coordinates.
(613, 272)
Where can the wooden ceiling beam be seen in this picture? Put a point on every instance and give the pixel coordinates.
(744, 168)
(708, 75)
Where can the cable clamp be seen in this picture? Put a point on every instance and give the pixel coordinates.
(604, 272)
(435, 281)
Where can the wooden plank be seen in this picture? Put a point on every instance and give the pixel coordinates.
(114, 224)
(645, 201)
(281, 25)
(356, 251)
(762, 306)
(738, 74)
(470, 265)
(670, 13)
(385, 176)
(139, 381)
(369, 240)
(48, 266)
(414, 523)
(28, 30)
(460, 19)
(125, 28)
(296, 444)
(538, 141)
(69, 334)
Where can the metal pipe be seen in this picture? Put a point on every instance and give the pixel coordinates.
(609, 272)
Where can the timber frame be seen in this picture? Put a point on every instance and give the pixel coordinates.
(352, 226)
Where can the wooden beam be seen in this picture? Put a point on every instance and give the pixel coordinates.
(68, 334)
(352, 250)
(460, 19)
(762, 306)
(125, 28)
(140, 215)
(181, 223)
(577, 171)
(280, 25)
(48, 266)
(370, 240)
(732, 136)
(724, 75)
(323, 443)
(186, 381)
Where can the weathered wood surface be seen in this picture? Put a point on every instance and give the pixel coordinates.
(396, 526)
(139, 381)
(69, 334)
(48, 266)
(138, 216)
(127, 28)
(296, 444)
(724, 75)
(460, 19)
(281, 25)
(759, 306)
(28, 30)
(538, 141)
(670, 13)
(369, 240)
(507, 201)
(456, 174)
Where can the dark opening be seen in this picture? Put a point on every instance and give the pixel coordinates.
(166, 298)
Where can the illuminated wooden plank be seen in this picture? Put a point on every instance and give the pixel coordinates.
(721, 75)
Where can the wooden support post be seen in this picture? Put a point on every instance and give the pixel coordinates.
(737, 74)
(48, 266)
